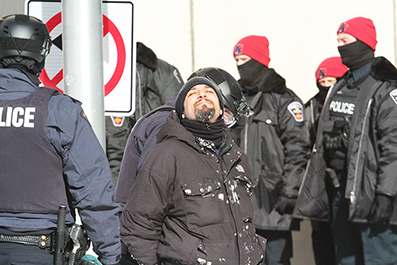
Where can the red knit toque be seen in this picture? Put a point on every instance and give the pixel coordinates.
(362, 29)
(330, 67)
(256, 47)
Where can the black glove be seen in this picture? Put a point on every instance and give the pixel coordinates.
(285, 205)
(381, 209)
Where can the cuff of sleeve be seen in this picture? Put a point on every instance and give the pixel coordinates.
(111, 260)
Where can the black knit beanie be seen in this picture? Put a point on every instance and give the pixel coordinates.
(198, 80)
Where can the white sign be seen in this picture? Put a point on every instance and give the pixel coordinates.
(119, 51)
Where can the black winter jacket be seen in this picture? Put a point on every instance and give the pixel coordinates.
(190, 206)
(372, 150)
(313, 109)
(276, 141)
(141, 141)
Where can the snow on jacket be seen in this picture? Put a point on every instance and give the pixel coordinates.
(190, 206)
(372, 150)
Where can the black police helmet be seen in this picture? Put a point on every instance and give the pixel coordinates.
(233, 98)
(23, 36)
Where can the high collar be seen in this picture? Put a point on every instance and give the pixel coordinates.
(15, 83)
(271, 81)
(383, 70)
(361, 72)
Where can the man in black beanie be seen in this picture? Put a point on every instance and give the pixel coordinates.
(191, 200)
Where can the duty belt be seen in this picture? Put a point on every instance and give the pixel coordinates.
(42, 241)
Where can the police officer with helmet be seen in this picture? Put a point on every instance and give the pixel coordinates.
(49, 156)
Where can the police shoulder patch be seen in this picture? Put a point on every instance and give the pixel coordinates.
(296, 109)
(117, 121)
(84, 116)
(393, 95)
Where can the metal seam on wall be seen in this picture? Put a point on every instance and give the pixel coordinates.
(192, 33)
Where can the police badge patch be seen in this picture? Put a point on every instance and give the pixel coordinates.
(117, 121)
(84, 116)
(393, 95)
(296, 110)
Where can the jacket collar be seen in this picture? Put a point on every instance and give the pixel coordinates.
(273, 82)
(383, 70)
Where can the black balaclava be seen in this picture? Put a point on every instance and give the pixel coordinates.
(323, 90)
(251, 74)
(356, 54)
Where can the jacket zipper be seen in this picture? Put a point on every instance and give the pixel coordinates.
(312, 117)
(353, 192)
(306, 173)
(246, 135)
(314, 150)
(139, 95)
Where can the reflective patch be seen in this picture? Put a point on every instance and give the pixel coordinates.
(393, 95)
(296, 110)
(177, 76)
(117, 121)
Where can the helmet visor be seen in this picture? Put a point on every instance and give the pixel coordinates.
(229, 118)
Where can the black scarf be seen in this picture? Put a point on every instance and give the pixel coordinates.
(208, 131)
(356, 54)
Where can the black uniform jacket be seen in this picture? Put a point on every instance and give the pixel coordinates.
(372, 150)
(276, 141)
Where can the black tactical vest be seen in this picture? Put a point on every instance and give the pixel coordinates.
(30, 168)
(341, 109)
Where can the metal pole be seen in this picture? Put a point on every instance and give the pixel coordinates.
(395, 31)
(192, 39)
(83, 59)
